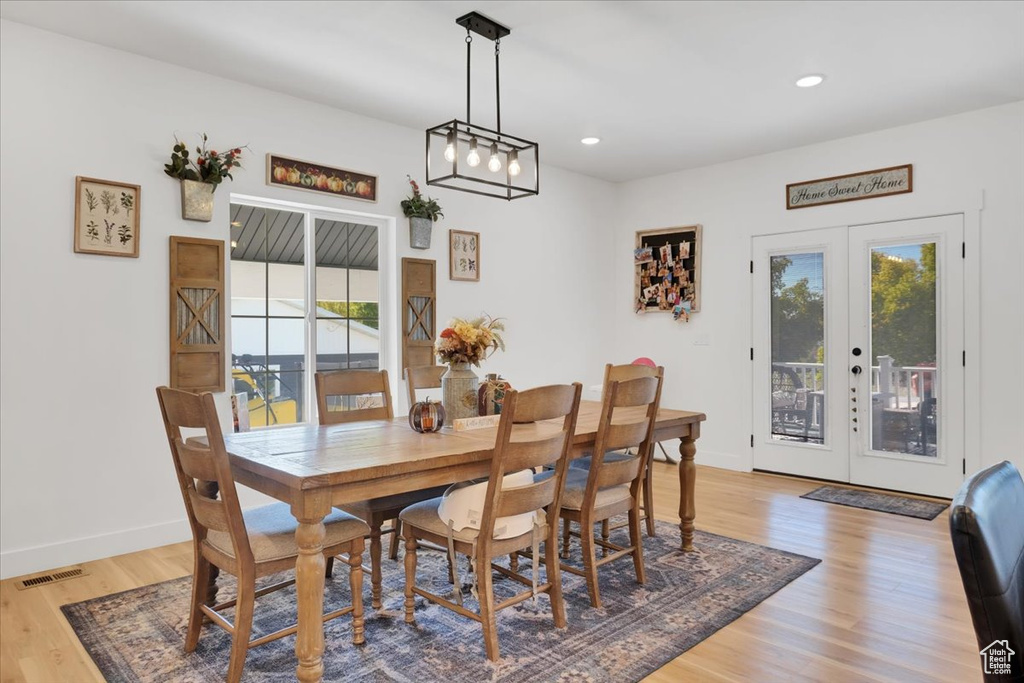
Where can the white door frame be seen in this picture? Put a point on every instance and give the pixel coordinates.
(869, 466)
(831, 459)
(970, 205)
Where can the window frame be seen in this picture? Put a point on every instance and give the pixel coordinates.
(386, 259)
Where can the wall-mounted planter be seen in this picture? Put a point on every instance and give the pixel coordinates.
(196, 201)
(419, 232)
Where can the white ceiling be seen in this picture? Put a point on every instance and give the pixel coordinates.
(665, 85)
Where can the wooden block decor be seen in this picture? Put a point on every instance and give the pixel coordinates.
(419, 301)
(197, 314)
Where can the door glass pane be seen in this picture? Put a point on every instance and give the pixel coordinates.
(798, 347)
(267, 309)
(347, 296)
(904, 339)
(286, 275)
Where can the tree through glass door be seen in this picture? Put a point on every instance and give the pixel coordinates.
(904, 376)
(798, 347)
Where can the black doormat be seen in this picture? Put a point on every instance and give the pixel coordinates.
(880, 502)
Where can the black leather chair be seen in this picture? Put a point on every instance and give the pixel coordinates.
(987, 526)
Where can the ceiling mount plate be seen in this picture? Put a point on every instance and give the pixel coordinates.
(478, 23)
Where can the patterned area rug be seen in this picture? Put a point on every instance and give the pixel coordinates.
(138, 635)
(880, 502)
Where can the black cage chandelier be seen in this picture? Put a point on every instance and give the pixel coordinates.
(467, 157)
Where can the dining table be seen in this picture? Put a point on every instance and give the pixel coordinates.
(314, 468)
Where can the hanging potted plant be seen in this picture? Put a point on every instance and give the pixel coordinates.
(422, 212)
(200, 176)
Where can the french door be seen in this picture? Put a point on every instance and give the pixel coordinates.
(858, 342)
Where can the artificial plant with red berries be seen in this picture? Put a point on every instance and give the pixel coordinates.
(418, 206)
(208, 166)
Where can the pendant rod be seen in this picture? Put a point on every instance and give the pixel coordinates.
(469, 42)
(497, 81)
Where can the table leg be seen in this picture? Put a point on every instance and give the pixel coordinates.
(687, 479)
(309, 582)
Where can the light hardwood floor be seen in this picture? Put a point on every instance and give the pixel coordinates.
(885, 604)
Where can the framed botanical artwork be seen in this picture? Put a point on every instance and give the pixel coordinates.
(463, 255)
(313, 177)
(106, 217)
(667, 271)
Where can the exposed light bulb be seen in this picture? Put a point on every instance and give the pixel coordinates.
(494, 165)
(513, 163)
(473, 158)
(449, 149)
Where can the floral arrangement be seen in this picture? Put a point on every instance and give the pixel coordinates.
(418, 206)
(470, 341)
(208, 166)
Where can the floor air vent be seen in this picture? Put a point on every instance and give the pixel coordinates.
(49, 577)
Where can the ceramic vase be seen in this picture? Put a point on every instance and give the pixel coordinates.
(459, 391)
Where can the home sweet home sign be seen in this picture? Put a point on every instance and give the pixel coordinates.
(882, 182)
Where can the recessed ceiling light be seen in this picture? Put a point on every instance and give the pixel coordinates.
(590, 141)
(809, 81)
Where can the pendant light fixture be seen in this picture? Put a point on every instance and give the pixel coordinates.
(456, 148)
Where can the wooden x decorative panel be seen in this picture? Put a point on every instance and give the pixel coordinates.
(197, 314)
(419, 304)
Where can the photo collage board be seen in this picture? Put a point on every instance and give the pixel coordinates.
(667, 264)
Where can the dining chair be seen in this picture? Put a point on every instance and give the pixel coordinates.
(425, 377)
(622, 373)
(611, 485)
(987, 530)
(521, 444)
(249, 545)
(344, 396)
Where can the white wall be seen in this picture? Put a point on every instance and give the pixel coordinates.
(957, 161)
(85, 471)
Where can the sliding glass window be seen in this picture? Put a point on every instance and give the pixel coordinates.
(282, 313)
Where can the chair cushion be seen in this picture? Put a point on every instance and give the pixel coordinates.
(611, 456)
(463, 504)
(426, 516)
(576, 486)
(271, 531)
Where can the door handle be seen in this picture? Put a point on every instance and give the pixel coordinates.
(856, 369)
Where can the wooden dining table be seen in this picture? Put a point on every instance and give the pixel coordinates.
(314, 468)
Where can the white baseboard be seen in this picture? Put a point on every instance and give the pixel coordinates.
(62, 553)
(54, 555)
(725, 461)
